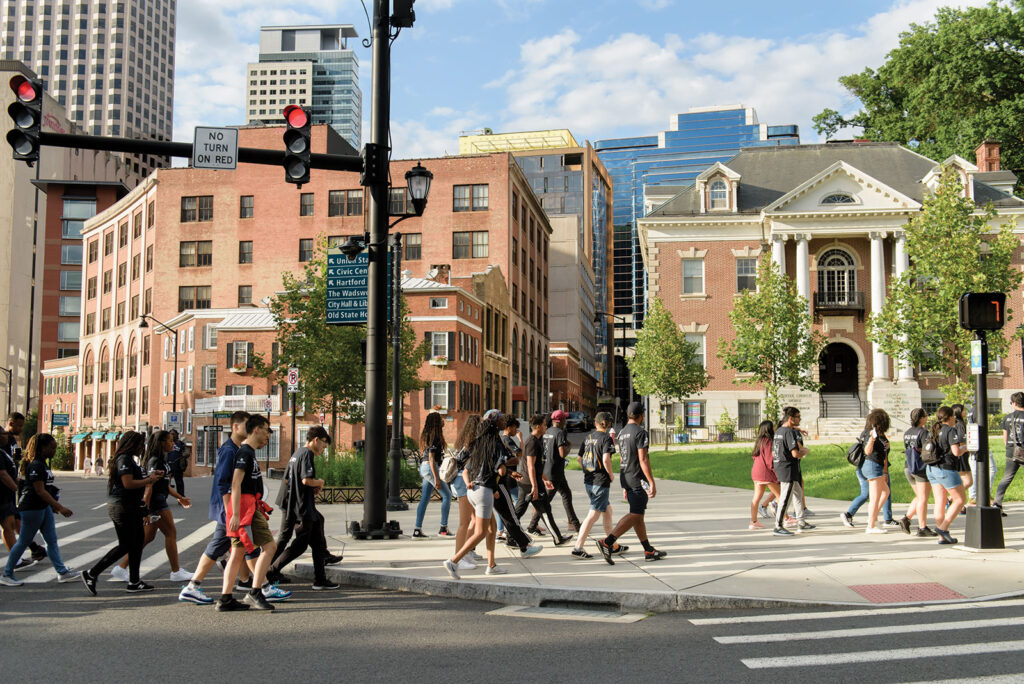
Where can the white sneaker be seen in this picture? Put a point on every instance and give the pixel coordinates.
(452, 568)
(762, 511)
(466, 564)
(182, 575)
(876, 530)
(495, 570)
(119, 574)
(70, 575)
(476, 556)
(531, 550)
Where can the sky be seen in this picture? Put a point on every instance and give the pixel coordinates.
(601, 68)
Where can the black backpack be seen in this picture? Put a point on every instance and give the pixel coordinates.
(930, 453)
(855, 454)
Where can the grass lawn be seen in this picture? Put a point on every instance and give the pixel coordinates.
(827, 474)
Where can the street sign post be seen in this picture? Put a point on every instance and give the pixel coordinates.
(60, 420)
(268, 404)
(215, 148)
(213, 428)
(293, 380)
(347, 282)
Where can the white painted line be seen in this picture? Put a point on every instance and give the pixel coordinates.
(96, 508)
(909, 610)
(563, 614)
(84, 534)
(993, 679)
(49, 574)
(64, 523)
(838, 658)
(870, 631)
(159, 557)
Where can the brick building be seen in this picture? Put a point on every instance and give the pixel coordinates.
(834, 216)
(59, 396)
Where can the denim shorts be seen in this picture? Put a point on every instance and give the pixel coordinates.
(950, 479)
(158, 503)
(870, 470)
(598, 497)
(458, 485)
(916, 478)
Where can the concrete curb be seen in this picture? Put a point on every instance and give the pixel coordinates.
(625, 601)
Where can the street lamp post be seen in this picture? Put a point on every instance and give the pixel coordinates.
(174, 384)
(598, 317)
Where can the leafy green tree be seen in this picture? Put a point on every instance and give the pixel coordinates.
(949, 85)
(664, 364)
(775, 344)
(952, 250)
(332, 371)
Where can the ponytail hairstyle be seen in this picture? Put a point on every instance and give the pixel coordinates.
(131, 443)
(486, 445)
(42, 445)
(468, 433)
(765, 435)
(958, 413)
(916, 416)
(941, 416)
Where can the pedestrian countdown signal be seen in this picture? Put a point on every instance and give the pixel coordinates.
(982, 310)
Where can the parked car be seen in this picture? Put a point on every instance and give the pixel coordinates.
(578, 421)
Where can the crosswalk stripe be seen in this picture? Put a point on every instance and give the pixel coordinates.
(836, 614)
(991, 679)
(869, 631)
(159, 557)
(957, 650)
(47, 572)
(64, 523)
(84, 534)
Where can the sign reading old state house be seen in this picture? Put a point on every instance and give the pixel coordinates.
(833, 216)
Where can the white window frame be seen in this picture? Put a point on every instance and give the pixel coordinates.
(740, 260)
(434, 345)
(192, 338)
(210, 336)
(244, 347)
(191, 377)
(181, 380)
(712, 189)
(692, 338)
(703, 278)
(210, 377)
(443, 385)
(165, 384)
(438, 302)
(167, 348)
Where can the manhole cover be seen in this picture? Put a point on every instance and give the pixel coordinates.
(901, 593)
(587, 615)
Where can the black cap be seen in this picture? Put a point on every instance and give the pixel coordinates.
(635, 408)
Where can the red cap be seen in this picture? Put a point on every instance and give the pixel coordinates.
(558, 416)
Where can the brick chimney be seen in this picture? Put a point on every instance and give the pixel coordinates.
(987, 155)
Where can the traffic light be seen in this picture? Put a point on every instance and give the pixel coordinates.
(296, 144)
(27, 114)
(983, 310)
(403, 15)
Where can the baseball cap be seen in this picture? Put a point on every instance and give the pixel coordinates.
(558, 415)
(635, 408)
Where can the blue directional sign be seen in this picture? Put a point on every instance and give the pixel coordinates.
(347, 284)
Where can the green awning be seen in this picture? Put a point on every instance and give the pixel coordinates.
(99, 435)
(112, 436)
(80, 437)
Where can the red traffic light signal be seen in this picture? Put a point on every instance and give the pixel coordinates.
(27, 114)
(983, 311)
(296, 144)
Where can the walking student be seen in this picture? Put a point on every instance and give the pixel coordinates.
(596, 460)
(300, 514)
(37, 502)
(1013, 434)
(463, 447)
(178, 462)
(638, 482)
(510, 438)
(504, 506)
(787, 451)
(875, 468)
(155, 497)
(125, 485)
(433, 444)
(964, 459)
(762, 473)
(556, 451)
(917, 474)
(10, 460)
(944, 475)
(535, 487)
(219, 501)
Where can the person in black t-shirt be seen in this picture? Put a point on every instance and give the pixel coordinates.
(916, 474)
(433, 443)
(596, 460)
(510, 483)
(964, 459)
(8, 498)
(1013, 434)
(944, 475)
(638, 482)
(125, 485)
(787, 451)
(876, 466)
(556, 451)
(9, 445)
(177, 460)
(37, 500)
(535, 488)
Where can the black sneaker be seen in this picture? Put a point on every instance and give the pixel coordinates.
(326, 585)
(24, 563)
(782, 532)
(564, 540)
(946, 537)
(801, 526)
(904, 524)
(606, 551)
(243, 585)
(223, 566)
(537, 532)
(139, 587)
(277, 578)
(581, 554)
(654, 555)
(38, 555)
(847, 519)
(89, 581)
(929, 532)
(230, 605)
(257, 600)
(443, 532)
(1000, 507)
(418, 534)
(332, 559)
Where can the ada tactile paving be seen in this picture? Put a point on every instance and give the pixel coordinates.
(905, 593)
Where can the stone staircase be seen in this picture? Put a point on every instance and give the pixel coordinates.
(844, 422)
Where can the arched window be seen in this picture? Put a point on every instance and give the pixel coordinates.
(839, 198)
(837, 277)
(119, 361)
(105, 365)
(719, 194)
(133, 359)
(89, 370)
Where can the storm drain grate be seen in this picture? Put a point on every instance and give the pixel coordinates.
(904, 593)
(566, 613)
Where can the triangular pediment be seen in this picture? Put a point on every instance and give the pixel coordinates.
(718, 168)
(841, 187)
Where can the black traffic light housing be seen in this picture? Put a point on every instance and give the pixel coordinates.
(296, 144)
(403, 15)
(27, 116)
(983, 310)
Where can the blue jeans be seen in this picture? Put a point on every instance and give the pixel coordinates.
(427, 492)
(32, 522)
(863, 497)
(993, 473)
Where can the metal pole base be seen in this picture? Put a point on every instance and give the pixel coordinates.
(397, 505)
(391, 530)
(984, 528)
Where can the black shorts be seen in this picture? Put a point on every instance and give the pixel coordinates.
(8, 510)
(158, 503)
(637, 500)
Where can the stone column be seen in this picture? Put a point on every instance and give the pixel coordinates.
(879, 360)
(779, 251)
(906, 372)
(803, 268)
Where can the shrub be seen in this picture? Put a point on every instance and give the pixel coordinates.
(346, 469)
(62, 460)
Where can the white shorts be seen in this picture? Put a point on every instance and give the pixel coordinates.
(482, 499)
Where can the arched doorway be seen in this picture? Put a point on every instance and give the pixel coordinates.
(837, 369)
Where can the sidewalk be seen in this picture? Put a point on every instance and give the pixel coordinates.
(713, 560)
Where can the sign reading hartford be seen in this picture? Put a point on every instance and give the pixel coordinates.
(347, 284)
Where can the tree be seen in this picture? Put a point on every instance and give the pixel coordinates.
(664, 364)
(775, 344)
(947, 86)
(952, 250)
(329, 357)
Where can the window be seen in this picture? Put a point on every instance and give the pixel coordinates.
(147, 304)
(191, 378)
(105, 319)
(439, 395)
(209, 336)
(135, 307)
(131, 402)
(694, 414)
(480, 197)
(209, 378)
(413, 246)
(120, 313)
(145, 350)
(122, 235)
(136, 266)
(193, 297)
(192, 338)
(354, 202)
(746, 274)
(438, 302)
(245, 251)
(470, 197)
(719, 194)
(306, 204)
(837, 278)
(470, 245)
(94, 251)
(245, 206)
(749, 415)
(87, 406)
(137, 226)
(71, 254)
(90, 324)
(74, 215)
(164, 388)
(108, 244)
(693, 276)
(515, 252)
(306, 249)
(196, 209)
(195, 253)
(698, 354)
(70, 306)
(336, 203)
(122, 275)
(240, 355)
(399, 202)
(72, 280)
(244, 295)
(149, 258)
(839, 198)
(67, 332)
(144, 408)
(439, 344)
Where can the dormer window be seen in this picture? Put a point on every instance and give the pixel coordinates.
(719, 194)
(839, 198)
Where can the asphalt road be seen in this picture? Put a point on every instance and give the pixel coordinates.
(58, 633)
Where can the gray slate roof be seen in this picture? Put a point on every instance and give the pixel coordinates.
(768, 173)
